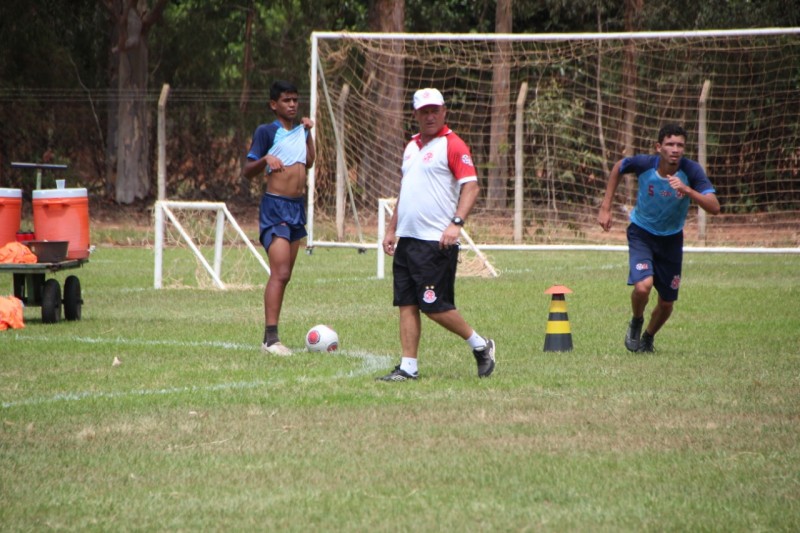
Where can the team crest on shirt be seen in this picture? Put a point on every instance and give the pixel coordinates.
(466, 159)
(676, 283)
(429, 296)
(428, 157)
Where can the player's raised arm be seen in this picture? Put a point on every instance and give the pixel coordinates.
(311, 151)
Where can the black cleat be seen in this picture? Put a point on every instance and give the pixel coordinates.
(646, 343)
(633, 334)
(485, 359)
(398, 375)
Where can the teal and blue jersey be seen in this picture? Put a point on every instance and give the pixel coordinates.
(660, 209)
(287, 145)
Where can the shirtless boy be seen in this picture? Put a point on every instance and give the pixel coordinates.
(282, 151)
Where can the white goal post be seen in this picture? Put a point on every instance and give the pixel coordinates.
(546, 116)
(165, 212)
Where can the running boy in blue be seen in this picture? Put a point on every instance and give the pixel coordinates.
(668, 182)
(281, 151)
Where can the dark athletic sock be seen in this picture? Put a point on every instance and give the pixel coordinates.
(271, 335)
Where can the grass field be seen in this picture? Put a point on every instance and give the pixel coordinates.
(198, 430)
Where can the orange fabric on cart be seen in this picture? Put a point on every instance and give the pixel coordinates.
(18, 253)
(11, 313)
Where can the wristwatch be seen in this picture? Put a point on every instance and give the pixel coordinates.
(458, 221)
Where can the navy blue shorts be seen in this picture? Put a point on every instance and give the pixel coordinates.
(280, 216)
(657, 256)
(424, 275)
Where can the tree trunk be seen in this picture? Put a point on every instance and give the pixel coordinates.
(133, 148)
(380, 167)
(112, 129)
(499, 144)
(132, 20)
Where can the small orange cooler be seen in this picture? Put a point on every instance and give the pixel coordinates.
(63, 215)
(10, 214)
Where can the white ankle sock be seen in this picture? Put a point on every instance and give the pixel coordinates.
(476, 342)
(408, 364)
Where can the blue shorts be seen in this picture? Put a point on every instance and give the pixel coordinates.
(424, 275)
(657, 256)
(280, 216)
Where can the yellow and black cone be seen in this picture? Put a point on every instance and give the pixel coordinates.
(558, 337)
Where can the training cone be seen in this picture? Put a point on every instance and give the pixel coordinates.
(558, 337)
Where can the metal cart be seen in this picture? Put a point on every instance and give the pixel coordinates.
(34, 290)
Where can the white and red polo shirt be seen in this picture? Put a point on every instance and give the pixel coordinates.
(432, 178)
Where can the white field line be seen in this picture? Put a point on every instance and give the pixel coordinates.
(143, 342)
(77, 396)
(370, 363)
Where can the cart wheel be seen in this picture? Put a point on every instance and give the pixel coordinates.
(72, 298)
(51, 302)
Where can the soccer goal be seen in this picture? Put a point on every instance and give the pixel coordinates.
(200, 245)
(546, 116)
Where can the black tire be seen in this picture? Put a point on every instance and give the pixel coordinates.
(51, 302)
(72, 298)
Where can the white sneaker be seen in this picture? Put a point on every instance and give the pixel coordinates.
(276, 349)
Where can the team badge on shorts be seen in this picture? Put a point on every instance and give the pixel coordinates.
(676, 283)
(429, 296)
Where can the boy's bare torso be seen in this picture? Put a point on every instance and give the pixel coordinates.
(290, 181)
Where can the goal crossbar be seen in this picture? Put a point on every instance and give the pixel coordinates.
(521, 37)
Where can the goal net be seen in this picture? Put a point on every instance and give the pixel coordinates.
(546, 116)
(200, 245)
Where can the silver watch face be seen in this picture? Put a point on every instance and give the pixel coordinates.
(458, 221)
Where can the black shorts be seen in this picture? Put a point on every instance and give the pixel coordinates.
(424, 275)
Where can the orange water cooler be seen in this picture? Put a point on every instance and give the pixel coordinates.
(10, 214)
(63, 215)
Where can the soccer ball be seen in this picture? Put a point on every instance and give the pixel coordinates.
(322, 338)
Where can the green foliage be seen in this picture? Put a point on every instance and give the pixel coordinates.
(198, 45)
(721, 14)
(553, 117)
(451, 16)
(203, 41)
(49, 43)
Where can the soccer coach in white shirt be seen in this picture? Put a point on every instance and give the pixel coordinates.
(439, 187)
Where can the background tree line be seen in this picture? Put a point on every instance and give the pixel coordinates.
(79, 80)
